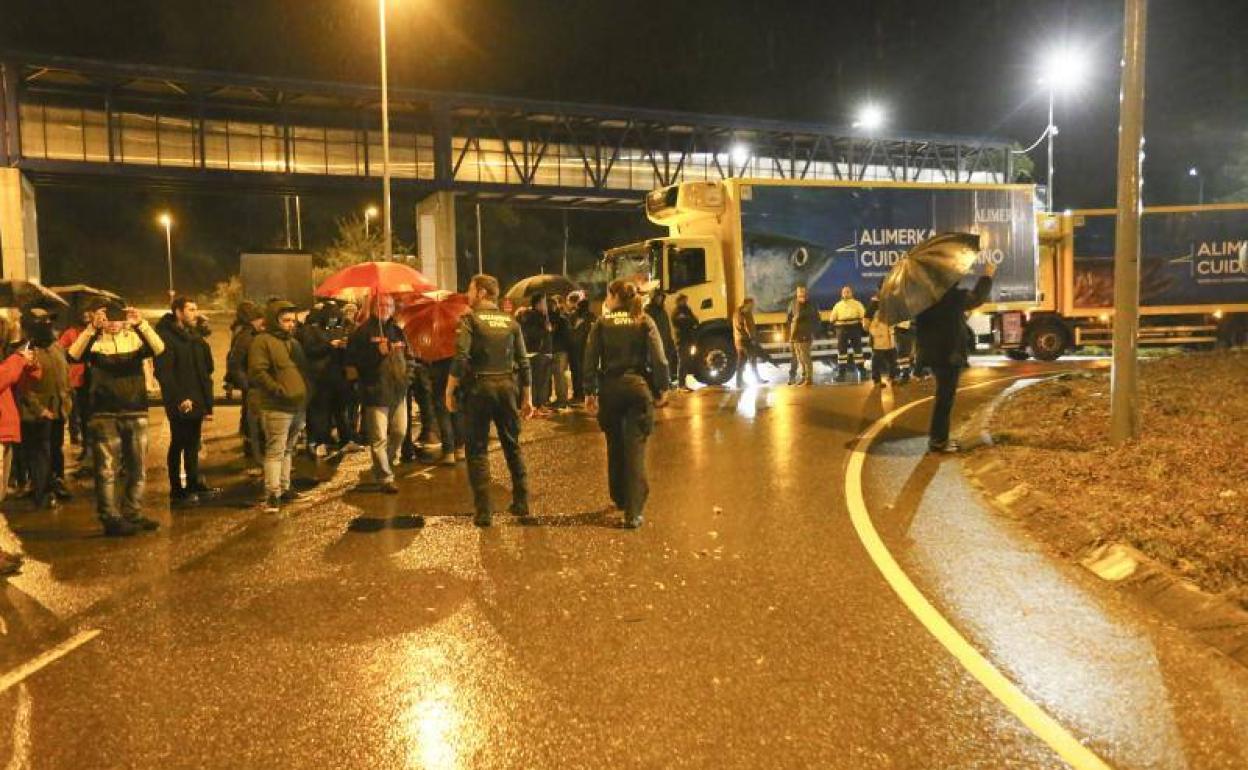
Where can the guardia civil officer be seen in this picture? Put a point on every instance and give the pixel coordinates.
(623, 350)
(491, 364)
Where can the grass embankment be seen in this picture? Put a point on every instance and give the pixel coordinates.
(1179, 492)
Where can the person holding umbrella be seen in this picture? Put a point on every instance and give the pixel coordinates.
(378, 352)
(623, 348)
(923, 286)
(941, 335)
(15, 367)
(45, 403)
(493, 366)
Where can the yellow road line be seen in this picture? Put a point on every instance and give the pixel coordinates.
(1026, 710)
(17, 675)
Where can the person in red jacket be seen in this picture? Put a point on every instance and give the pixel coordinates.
(19, 364)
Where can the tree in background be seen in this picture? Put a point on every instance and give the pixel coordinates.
(358, 240)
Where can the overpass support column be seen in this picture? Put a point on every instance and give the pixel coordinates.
(19, 234)
(435, 228)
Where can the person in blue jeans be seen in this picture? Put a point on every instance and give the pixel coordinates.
(114, 347)
(278, 370)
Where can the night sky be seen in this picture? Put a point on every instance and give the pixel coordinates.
(954, 66)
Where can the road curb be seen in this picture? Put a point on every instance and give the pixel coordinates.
(1218, 622)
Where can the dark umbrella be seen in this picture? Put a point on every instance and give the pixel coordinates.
(79, 295)
(19, 292)
(924, 274)
(540, 284)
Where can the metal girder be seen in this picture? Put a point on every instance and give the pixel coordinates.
(663, 147)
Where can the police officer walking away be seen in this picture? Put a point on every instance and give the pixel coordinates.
(624, 348)
(491, 362)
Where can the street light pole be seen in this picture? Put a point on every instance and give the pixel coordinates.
(1048, 187)
(1123, 388)
(385, 138)
(167, 221)
(1200, 184)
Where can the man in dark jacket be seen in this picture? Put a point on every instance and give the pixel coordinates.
(686, 325)
(277, 371)
(378, 352)
(324, 340)
(539, 342)
(580, 321)
(941, 335)
(114, 348)
(184, 372)
(656, 308)
(561, 346)
(803, 325)
(248, 322)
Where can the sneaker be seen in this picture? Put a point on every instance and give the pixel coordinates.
(351, 448)
(119, 528)
(946, 447)
(461, 455)
(255, 473)
(447, 459)
(291, 496)
(184, 500)
(205, 492)
(145, 524)
(519, 509)
(388, 487)
(632, 522)
(272, 504)
(60, 490)
(482, 519)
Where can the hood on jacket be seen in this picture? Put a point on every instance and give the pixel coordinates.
(271, 314)
(168, 323)
(247, 312)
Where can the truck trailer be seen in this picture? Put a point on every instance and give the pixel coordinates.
(1193, 281)
(762, 238)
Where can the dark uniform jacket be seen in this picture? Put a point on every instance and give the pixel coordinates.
(940, 331)
(489, 343)
(620, 343)
(184, 371)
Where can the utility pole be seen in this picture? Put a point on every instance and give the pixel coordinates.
(480, 247)
(385, 139)
(1124, 402)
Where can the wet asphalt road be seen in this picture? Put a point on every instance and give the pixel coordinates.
(743, 625)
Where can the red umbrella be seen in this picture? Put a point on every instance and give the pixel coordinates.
(376, 278)
(430, 323)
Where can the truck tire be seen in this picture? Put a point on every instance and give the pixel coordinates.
(716, 359)
(1017, 354)
(1047, 340)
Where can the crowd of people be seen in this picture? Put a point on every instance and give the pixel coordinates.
(340, 378)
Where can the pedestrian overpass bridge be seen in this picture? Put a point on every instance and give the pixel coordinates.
(74, 120)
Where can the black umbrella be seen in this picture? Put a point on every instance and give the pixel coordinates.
(541, 284)
(79, 295)
(924, 274)
(19, 292)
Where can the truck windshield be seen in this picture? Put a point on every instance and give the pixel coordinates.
(632, 264)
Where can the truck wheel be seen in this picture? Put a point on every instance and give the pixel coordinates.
(716, 360)
(1047, 340)
(1017, 354)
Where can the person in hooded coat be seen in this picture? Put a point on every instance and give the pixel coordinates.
(184, 372)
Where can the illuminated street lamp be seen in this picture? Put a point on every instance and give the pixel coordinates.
(1064, 70)
(166, 221)
(369, 213)
(385, 136)
(1200, 184)
(870, 117)
(739, 155)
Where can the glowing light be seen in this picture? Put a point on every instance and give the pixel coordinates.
(1193, 171)
(370, 212)
(1218, 314)
(1064, 69)
(870, 117)
(165, 219)
(740, 154)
